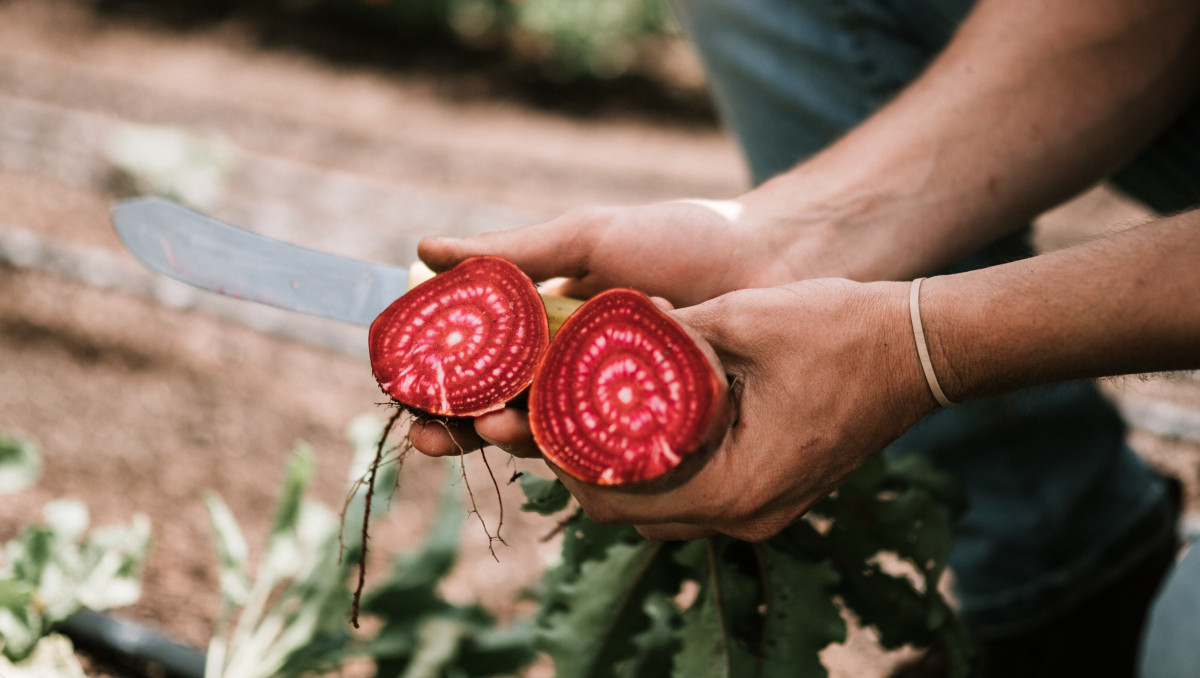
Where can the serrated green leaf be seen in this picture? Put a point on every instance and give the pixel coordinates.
(890, 604)
(584, 540)
(741, 596)
(722, 630)
(588, 624)
(704, 650)
(20, 463)
(544, 496)
(802, 617)
(920, 532)
(896, 507)
(915, 471)
(655, 646)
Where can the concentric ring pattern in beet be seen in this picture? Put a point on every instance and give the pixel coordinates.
(463, 343)
(624, 393)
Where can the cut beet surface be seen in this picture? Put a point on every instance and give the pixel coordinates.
(624, 393)
(463, 343)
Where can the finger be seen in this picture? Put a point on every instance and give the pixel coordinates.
(701, 337)
(663, 304)
(704, 318)
(440, 438)
(509, 430)
(674, 532)
(722, 325)
(556, 248)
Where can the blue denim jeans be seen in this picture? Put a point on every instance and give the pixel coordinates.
(1060, 506)
(1170, 649)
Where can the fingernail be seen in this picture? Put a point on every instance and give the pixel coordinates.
(495, 443)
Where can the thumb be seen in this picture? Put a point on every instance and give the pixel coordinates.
(708, 319)
(557, 248)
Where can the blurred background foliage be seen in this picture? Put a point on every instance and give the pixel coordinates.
(570, 39)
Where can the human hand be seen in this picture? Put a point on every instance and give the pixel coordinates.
(686, 251)
(824, 374)
(713, 247)
(507, 429)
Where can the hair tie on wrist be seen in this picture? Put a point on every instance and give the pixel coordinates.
(914, 309)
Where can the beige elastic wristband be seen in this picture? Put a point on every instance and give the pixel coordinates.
(914, 310)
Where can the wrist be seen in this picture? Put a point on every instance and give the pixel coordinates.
(947, 314)
(922, 344)
(887, 309)
(864, 223)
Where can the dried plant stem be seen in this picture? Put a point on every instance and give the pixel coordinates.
(362, 561)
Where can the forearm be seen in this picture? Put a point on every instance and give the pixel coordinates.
(1123, 305)
(1030, 103)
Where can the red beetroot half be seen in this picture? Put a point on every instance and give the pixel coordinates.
(463, 343)
(625, 393)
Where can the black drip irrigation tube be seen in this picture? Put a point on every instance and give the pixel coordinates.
(133, 647)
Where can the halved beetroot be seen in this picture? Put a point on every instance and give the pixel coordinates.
(624, 393)
(463, 343)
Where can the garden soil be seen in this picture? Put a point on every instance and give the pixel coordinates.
(143, 397)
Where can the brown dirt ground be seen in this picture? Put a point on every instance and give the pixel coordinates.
(142, 407)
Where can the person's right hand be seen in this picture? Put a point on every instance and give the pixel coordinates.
(686, 251)
(824, 374)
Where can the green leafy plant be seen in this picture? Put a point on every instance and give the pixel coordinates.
(423, 634)
(619, 605)
(615, 604)
(289, 619)
(292, 617)
(58, 567)
(601, 39)
(20, 463)
(569, 38)
(598, 39)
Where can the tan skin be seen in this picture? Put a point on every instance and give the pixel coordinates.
(1031, 102)
(1128, 304)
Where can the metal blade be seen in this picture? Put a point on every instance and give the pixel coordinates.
(199, 250)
